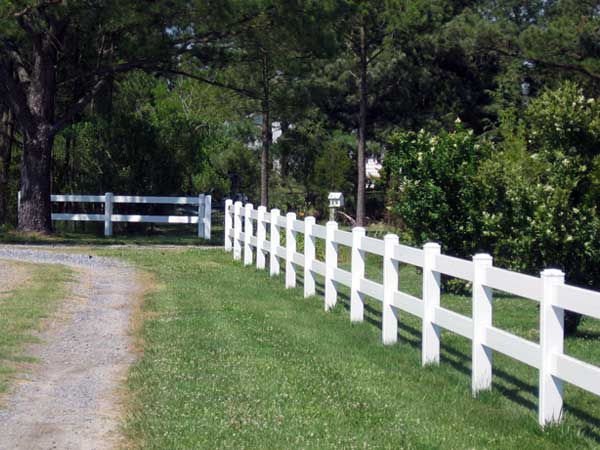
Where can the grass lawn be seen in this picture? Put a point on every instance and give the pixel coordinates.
(21, 313)
(93, 235)
(234, 360)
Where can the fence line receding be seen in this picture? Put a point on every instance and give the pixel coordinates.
(549, 290)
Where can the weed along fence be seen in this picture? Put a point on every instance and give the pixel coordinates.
(245, 236)
(202, 218)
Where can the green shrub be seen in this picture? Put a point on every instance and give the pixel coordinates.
(529, 197)
(432, 189)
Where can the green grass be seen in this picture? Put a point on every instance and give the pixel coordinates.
(21, 314)
(93, 235)
(234, 360)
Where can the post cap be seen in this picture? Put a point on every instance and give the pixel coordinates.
(432, 246)
(332, 224)
(552, 273)
(391, 237)
(310, 219)
(359, 230)
(482, 257)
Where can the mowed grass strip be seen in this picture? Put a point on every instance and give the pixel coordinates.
(234, 360)
(22, 310)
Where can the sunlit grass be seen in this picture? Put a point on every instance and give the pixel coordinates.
(234, 360)
(22, 311)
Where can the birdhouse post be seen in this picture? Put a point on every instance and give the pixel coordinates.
(336, 200)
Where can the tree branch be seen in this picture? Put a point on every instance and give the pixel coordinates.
(242, 91)
(544, 62)
(78, 107)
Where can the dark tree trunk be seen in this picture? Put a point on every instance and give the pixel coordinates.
(362, 132)
(38, 139)
(35, 210)
(6, 144)
(267, 134)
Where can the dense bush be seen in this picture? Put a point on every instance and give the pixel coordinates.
(528, 195)
(431, 187)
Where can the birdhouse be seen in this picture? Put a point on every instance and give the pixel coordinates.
(336, 200)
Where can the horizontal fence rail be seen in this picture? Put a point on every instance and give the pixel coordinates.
(245, 236)
(202, 218)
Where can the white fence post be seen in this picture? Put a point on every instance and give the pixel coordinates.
(201, 213)
(358, 273)
(207, 216)
(290, 249)
(481, 371)
(430, 351)
(389, 320)
(261, 234)
(331, 261)
(309, 256)
(247, 234)
(108, 210)
(275, 241)
(237, 230)
(18, 205)
(551, 345)
(228, 227)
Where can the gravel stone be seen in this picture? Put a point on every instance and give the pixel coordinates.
(71, 399)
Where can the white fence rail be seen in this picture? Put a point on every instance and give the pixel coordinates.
(549, 290)
(202, 219)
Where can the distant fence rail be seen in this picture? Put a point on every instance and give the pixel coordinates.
(548, 290)
(202, 218)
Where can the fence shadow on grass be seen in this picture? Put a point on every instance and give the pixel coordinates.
(515, 388)
(510, 386)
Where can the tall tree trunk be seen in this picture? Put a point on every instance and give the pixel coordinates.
(362, 132)
(267, 134)
(35, 210)
(38, 139)
(6, 144)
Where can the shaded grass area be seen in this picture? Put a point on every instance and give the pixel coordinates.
(22, 311)
(156, 235)
(234, 360)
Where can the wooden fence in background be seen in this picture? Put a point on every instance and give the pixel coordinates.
(202, 219)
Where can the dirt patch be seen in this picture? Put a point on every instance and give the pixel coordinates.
(12, 275)
(73, 399)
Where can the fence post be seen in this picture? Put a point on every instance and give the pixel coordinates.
(309, 256)
(481, 364)
(228, 227)
(247, 234)
(237, 230)
(275, 241)
(18, 204)
(389, 321)
(430, 351)
(290, 249)
(207, 216)
(201, 206)
(551, 344)
(108, 210)
(331, 261)
(261, 234)
(358, 273)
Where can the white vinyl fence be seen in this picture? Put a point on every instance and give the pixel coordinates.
(202, 219)
(245, 235)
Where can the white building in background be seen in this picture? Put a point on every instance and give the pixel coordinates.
(372, 169)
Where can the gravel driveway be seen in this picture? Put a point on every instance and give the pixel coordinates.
(71, 399)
